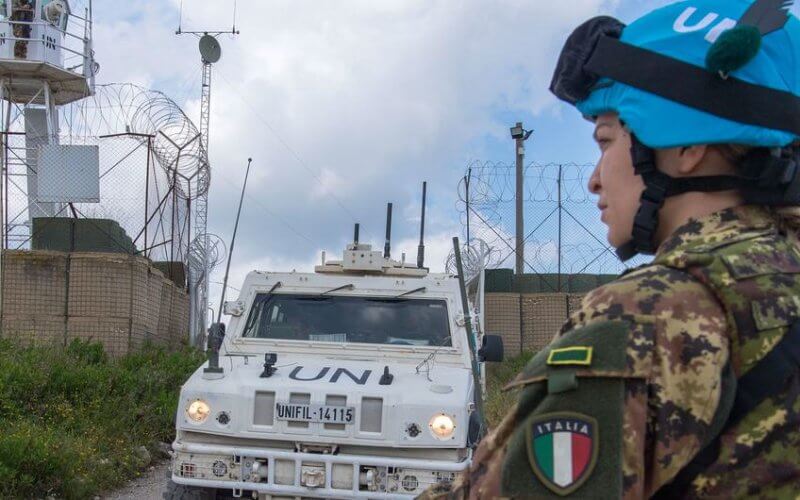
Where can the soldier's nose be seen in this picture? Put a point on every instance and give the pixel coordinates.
(594, 180)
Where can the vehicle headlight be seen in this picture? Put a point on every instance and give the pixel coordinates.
(442, 426)
(198, 411)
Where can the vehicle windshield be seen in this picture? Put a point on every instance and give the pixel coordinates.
(368, 320)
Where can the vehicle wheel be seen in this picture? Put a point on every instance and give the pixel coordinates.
(183, 492)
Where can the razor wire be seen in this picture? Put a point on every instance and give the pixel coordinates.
(129, 108)
(563, 234)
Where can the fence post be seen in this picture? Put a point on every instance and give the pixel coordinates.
(466, 184)
(520, 302)
(147, 194)
(67, 271)
(519, 151)
(559, 227)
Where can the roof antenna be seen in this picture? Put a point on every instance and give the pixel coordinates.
(233, 30)
(355, 235)
(421, 248)
(180, 19)
(233, 242)
(387, 247)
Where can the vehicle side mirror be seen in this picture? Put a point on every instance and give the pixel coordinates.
(233, 308)
(491, 349)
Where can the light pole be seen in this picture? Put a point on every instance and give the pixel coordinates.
(520, 135)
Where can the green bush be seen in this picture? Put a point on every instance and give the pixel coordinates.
(71, 419)
(499, 402)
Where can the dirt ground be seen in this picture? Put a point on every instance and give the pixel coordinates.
(150, 486)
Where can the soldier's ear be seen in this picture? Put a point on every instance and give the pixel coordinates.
(690, 158)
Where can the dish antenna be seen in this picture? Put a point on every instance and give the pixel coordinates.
(210, 50)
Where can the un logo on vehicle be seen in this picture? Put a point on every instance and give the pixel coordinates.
(562, 449)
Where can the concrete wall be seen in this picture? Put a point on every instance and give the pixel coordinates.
(116, 299)
(528, 321)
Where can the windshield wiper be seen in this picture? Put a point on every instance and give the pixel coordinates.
(343, 287)
(257, 306)
(420, 289)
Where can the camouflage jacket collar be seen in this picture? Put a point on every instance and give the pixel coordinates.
(707, 233)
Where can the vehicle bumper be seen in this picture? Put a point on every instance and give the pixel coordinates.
(288, 473)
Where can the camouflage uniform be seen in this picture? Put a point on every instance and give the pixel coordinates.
(668, 338)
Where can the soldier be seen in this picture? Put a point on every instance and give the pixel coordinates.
(681, 379)
(21, 10)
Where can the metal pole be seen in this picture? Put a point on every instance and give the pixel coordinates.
(421, 247)
(387, 247)
(146, 195)
(172, 217)
(559, 227)
(233, 242)
(6, 147)
(520, 247)
(473, 348)
(466, 184)
(2, 200)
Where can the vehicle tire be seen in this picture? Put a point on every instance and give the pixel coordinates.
(182, 492)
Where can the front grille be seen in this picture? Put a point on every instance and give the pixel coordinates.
(264, 408)
(284, 471)
(371, 414)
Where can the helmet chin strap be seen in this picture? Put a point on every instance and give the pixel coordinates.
(658, 187)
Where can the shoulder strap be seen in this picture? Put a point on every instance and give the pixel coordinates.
(767, 378)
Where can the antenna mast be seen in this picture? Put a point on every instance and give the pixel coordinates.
(233, 242)
(387, 247)
(421, 247)
(210, 53)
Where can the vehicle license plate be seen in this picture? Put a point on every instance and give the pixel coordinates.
(315, 413)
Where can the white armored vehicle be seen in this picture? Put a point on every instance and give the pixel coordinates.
(356, 381)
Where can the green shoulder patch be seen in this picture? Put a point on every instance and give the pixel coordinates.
(575, 355)
(562, 449)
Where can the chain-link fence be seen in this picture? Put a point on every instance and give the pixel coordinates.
(563, 234)
(132, 204)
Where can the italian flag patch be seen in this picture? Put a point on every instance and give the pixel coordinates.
(562, 449)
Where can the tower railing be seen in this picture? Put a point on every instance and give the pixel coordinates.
(80, 34)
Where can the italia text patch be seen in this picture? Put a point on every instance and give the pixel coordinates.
(562, 449)
(577, 355)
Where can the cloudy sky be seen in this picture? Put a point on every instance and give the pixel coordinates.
(347, 104)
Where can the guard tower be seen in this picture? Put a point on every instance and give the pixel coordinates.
(46, 61)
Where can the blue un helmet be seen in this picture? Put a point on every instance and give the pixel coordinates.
(724, 70)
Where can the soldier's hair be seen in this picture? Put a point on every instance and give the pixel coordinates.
(733, 153)
(786, 217)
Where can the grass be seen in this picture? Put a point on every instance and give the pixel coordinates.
(71, 419)
(498, 402)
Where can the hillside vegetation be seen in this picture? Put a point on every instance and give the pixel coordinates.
(72, 419)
